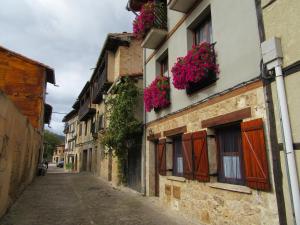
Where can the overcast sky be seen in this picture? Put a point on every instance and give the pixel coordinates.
(66, 35)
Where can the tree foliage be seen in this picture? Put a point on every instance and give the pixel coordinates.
(51, 140)
(124, 131)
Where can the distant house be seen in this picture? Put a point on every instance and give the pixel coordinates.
(70, 131)
(59, 153)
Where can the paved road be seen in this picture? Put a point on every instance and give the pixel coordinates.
(82, 199)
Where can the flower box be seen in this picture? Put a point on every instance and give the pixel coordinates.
(157, 94)
(197, 69)
(209, 78)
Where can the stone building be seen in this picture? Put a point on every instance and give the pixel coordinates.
(121, 56)
(208, 151)
(281, 19)
(70, 131)
(23, 113)
(59, 153)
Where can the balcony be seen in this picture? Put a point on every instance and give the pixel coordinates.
(158, 31)
(182, 5)
(100, 86)
(85, 111)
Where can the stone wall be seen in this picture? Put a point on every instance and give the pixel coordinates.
(213, 202)
(20, 148)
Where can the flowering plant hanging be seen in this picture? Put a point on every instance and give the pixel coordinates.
(157, 94)
(195, 66)
(143, 22)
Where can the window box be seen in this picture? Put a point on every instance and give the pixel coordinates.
(209, 78)
(151, 24)
(182, 5)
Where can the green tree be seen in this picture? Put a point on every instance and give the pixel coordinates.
(124, 130)
(51, 140)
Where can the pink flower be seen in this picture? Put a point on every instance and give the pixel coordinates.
(157, 94)
(144, 21)
(194, 66)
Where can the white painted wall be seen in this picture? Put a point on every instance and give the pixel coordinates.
(235, 30)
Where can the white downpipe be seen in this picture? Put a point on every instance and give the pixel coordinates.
(288, 142)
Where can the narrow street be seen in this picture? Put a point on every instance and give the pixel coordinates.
(82, 199)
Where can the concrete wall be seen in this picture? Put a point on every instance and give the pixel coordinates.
(215, 202)
(282, 19)
(20, 146)
(235, 31)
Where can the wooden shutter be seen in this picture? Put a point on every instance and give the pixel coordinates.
(187, 154)
(201, 168)
(161, 154)
(255, 156)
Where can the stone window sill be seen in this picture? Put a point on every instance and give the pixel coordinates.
(231, 187)
(174, 178)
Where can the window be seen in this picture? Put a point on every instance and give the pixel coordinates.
(229, 142)
(100, 122)
(177, 157)
(164, 67)
(203, 32)
(86, 125)
(80, 129)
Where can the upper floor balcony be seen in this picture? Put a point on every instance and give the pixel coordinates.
(100, 84)
(86, 111)
(182, 5)
(151, 24)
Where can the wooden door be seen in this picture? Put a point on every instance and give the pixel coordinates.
(156, 170)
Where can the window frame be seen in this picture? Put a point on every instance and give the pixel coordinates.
(200, 25)
(174, 156)
(220, 155)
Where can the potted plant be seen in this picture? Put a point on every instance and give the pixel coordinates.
(197, 69)
(157, 94)
(69, 167)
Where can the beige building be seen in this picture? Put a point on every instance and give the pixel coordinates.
(121, 56)
(208, 154)
(59, 153)
(70, 131)
(281, 19)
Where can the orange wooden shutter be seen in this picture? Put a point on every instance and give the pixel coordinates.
(255, 156)
(187, 153)
(201, 168)
(161, 153)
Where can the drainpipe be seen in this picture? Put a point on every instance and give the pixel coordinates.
(272, 57)
(145, 130)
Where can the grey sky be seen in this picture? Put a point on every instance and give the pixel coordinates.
(66, 35)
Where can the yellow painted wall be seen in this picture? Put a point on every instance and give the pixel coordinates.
(20, 146)
(282, 19)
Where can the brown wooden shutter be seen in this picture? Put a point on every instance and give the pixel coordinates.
(161, 153)
(187, 153)
(201, 168)
(255, 156)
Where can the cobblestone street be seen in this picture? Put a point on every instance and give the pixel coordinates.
(82, 199)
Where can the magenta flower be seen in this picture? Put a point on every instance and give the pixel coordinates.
(144, 21)
(194, 66)
(157, 94)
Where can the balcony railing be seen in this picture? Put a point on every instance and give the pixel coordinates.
(100, 86)
(85, 111)
(158, 32)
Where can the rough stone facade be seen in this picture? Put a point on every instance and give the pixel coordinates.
(213, 202)
(20, 148)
